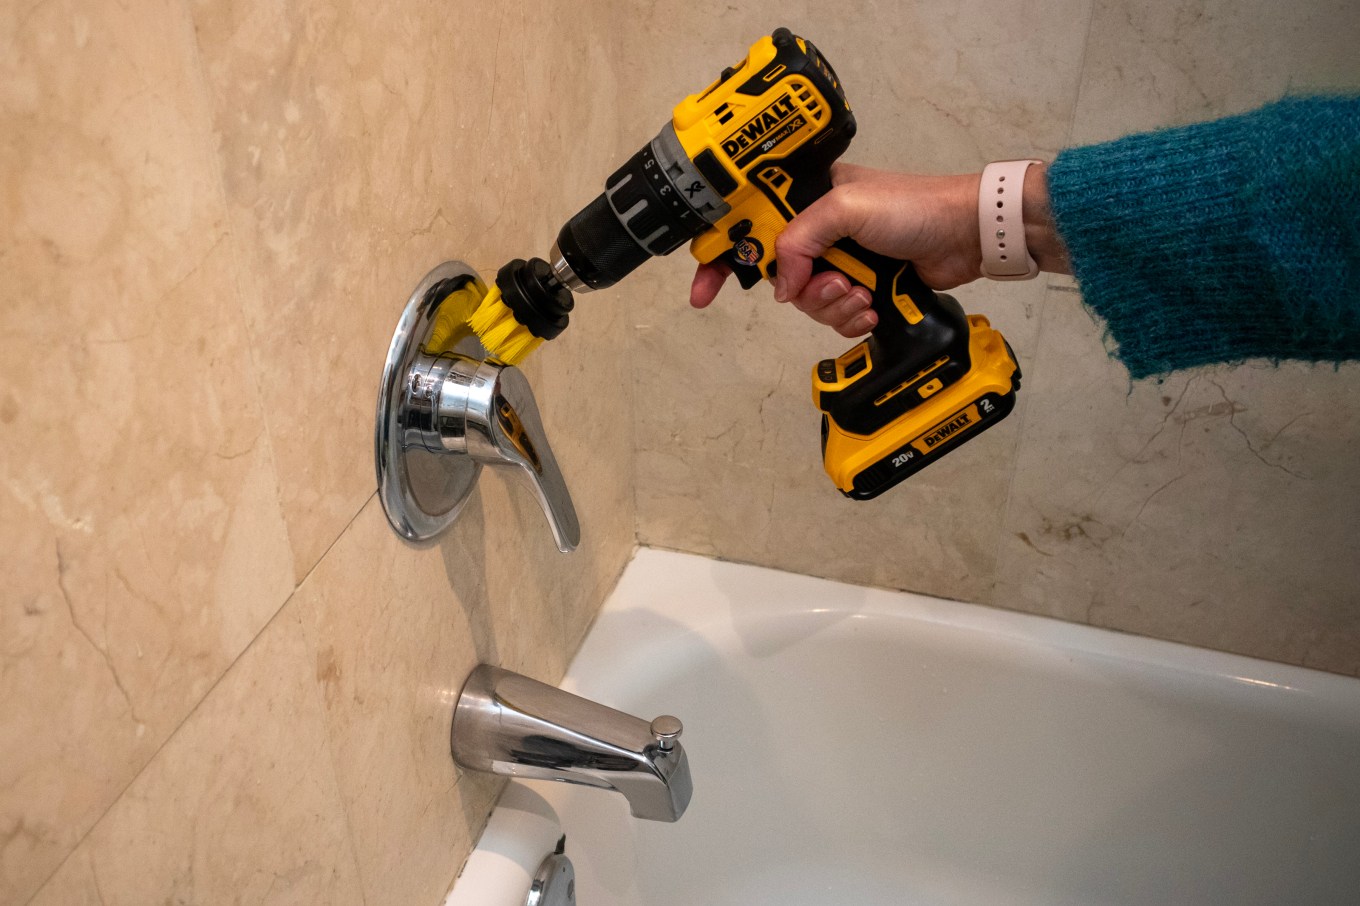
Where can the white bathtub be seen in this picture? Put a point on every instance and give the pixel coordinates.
(856, 746)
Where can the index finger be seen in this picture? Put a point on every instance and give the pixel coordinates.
(708, 279)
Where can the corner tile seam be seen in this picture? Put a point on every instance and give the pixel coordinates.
(1043, 317)
(999, 538)
(349, 831)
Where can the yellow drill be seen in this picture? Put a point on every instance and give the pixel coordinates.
(735, 164)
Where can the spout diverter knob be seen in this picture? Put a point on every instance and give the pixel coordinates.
(667, 730)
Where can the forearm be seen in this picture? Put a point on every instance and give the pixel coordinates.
(1221, 241)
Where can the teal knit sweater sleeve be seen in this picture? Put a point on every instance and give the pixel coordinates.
(1223, 241)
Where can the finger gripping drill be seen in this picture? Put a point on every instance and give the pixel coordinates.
(734, 165)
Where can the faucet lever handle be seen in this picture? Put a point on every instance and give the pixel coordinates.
(667, 730)
(507, 430)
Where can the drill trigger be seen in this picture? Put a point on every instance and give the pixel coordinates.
(747, 276)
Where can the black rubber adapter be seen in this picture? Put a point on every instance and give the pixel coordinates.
(538, 299)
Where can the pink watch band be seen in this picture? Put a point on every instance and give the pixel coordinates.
(1001, 223)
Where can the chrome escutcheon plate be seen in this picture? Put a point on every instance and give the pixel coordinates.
(422, 491)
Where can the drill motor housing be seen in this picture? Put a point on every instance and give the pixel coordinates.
(777, 115)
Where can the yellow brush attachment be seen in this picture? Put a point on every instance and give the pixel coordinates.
(502, 335)
(450, 325)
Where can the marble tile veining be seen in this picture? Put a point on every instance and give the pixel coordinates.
(388, 654)
(241, 806)
(1157, 64)
(326, 118)
(393, 633)
(141, 539)
(1215, 507)
(361, 145)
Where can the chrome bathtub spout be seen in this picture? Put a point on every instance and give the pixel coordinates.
(508, 724)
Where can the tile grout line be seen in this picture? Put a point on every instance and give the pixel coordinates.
(1039, 330)
(199, 704)
(310, 643)
(1081, 71)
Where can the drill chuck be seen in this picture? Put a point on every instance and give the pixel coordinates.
(655, 203)
(597, 248)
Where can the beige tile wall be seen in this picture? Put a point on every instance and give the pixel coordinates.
(225, 680)
(1216, 508)
(223, 677)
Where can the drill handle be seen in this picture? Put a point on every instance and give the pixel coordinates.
(921, 336)
(750, 269)
(909, 312)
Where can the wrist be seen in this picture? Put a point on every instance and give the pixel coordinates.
(1041, 230)
(1001, 221)
(1018, 235)
(964, 207)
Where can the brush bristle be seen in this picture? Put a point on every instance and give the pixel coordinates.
(500, 332)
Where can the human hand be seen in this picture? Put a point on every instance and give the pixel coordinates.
(928, 220)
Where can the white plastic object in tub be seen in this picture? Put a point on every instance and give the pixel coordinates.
(522, 832)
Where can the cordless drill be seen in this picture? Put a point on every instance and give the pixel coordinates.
(735, 164)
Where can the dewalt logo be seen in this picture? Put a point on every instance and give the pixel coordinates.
(944, 431)
(760, 125)
(956, 423)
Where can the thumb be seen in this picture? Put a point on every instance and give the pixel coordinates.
(807, 236)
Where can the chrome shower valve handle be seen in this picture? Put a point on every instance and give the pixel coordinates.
(445, 412)
(487, 411)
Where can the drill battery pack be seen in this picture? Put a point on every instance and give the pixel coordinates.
(940, 420)
(929, 379)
